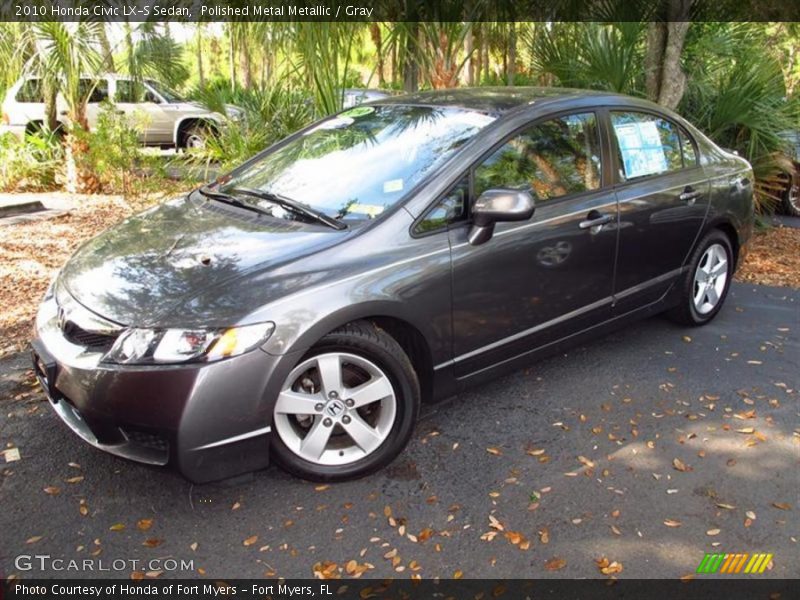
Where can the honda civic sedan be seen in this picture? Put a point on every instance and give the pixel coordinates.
(301, 308)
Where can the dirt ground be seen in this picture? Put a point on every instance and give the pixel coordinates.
(32, 251)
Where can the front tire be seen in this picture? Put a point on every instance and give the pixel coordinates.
(348, 408)
(706, 283)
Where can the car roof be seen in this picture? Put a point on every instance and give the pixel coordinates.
(496, 100)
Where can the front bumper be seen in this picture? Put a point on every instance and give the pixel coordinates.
(209, 420)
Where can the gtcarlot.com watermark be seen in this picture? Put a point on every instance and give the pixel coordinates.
(45, 562)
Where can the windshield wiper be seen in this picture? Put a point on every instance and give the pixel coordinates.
(232, 200)
(293, 205)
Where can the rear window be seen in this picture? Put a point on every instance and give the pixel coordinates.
(31, 91)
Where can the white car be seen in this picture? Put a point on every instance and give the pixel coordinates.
(164, 118)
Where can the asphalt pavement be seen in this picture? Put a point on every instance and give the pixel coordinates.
(649, 448)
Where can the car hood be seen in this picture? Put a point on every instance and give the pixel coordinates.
(143, 270)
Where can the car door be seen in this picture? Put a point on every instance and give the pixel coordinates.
(546, 278)
(131, 102)
(663, 199)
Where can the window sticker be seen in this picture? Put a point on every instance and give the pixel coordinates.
(641, 148)
(373, 210)
(393, 185)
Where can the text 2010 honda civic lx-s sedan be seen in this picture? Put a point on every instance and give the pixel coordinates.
(302, 307)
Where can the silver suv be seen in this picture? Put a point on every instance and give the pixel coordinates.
(163, 117)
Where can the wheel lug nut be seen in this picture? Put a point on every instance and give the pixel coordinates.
(333, 395)
(349, 402)
(327, 422)
(345, 419)
(319, 407)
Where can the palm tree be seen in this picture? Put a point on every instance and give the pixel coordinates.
(68, 53)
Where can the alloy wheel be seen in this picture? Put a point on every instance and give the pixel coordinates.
(335, 409)
(710, 279)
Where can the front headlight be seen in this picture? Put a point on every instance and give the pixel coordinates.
(169, 346)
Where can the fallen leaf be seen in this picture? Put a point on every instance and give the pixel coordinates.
(745, 430)
(544, 535)
(250, 541)
(144, 524)
(34, 539)
(608, 567)
(555, 564)
(322, 488)
(193, 546)
(585, 461)
(680, 465)
(725, 506)
(495, 451)
(76, 479)
(117, 527)
(52, 490)
(152, 543)
(713, 532)
(750, 515)
(782, 505)
(672, 523)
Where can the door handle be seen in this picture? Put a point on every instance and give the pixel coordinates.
(595, 219)
(689, 195)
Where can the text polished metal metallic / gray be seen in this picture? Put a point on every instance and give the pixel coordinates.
(302, 307)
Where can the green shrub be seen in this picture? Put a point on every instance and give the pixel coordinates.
(116, 156)
(269, 115)
(31, 164)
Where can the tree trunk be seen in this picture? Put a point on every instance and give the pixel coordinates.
(232, 55)
(375, 32)
(511, 65)
(470, 65)
(665, 81)
(50, 108)
(245, 65)
(478, 54)
(485, 50)
(200, 71)
(410, 63)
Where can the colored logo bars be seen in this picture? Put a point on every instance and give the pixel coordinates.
(734, 563)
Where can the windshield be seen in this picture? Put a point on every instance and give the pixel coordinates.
(361, 162)
(169, 95)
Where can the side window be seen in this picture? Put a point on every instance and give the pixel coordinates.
(31, 90)
(451, 208)
(689, 153)
(646, 144)
(554, 158)
(130, 91)
(99, 92)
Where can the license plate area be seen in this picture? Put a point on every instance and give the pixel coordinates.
(46, 369)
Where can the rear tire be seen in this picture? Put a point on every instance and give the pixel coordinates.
(326, 425)
(791, 200)
(705, 285)
(196, 137)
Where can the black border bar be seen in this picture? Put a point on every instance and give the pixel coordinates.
(398, 10)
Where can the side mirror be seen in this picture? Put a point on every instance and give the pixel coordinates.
(496, 206)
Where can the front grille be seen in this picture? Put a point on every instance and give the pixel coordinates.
(146, 439)
(91, 339)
